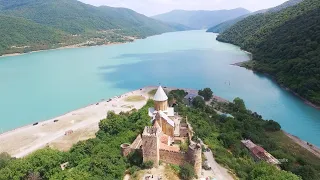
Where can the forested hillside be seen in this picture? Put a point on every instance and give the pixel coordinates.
(285, 44)
(227, 24)
(21, 32)
(200, 19)
(70, 18)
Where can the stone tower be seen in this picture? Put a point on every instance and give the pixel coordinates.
(151, 144)
(194, 157)
(160, 100)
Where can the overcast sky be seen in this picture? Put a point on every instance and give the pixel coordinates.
(153, 7)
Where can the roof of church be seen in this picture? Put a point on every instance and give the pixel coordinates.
(160, 95)
(164, 116)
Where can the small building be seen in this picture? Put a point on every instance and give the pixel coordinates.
(258, 153)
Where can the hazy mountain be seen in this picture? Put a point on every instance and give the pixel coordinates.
(200, 19)
(227, 24)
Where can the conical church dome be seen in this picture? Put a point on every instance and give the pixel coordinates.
(160, 95)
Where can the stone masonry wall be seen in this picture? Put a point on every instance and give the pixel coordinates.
(150, 149)
(177, 158)
(137, 142)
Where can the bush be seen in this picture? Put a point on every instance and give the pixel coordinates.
(133, 169)
(184, 147)
(187, 172)
(135, 158)
(198, 102)
(147, 165)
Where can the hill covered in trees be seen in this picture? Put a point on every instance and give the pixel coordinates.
(284, 44)
(71, 21)
(20, 32)
(200, 19)
(227, 24)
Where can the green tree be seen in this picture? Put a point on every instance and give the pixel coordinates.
(239, 104)
(206, 93)
(271, 125)
(187, 172)
(263, 171)
(198, 102)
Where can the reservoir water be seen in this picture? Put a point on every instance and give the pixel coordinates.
(42, 85)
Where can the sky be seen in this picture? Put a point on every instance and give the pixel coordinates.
(154, 7)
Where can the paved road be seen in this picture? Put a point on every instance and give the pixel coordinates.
(220, 173)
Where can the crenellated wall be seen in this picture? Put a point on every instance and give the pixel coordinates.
(151, 145)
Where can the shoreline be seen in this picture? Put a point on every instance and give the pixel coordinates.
(74, 46)
(306, 145)
(240, 64)
(24, 140)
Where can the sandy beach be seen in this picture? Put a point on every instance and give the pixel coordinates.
(82, 122)
(81, 45)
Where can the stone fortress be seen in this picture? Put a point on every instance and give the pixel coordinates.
(160, 142)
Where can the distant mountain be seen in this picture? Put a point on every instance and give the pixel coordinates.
(227, 24)
(200, 19)
(285, 44)
(73, 19)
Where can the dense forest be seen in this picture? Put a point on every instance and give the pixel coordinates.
(100, 157)
(228, 24)
(284, 44)
(65, 22)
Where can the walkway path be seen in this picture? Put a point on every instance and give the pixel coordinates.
(217, 171)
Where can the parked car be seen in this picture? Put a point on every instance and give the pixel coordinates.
(206, 166)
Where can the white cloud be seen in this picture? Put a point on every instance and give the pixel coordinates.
(152, 7)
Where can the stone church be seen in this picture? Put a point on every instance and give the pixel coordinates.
(161, 140)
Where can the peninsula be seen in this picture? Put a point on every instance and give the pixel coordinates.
(207, 122)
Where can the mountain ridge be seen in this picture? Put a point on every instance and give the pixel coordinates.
(227, 24)
(200, 19)
(75, 22)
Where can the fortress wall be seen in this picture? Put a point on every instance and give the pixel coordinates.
(137, 142)
(184, 132)
(125, 149)
(177, 158)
